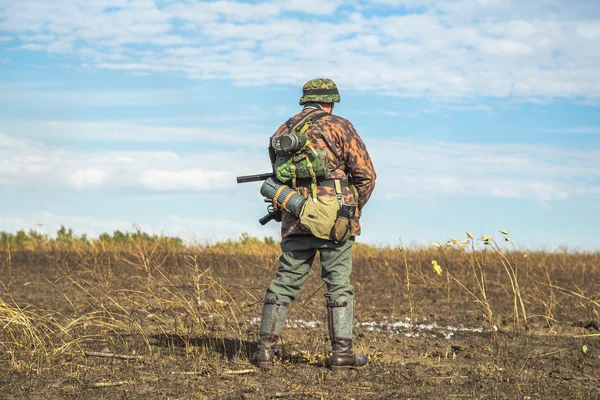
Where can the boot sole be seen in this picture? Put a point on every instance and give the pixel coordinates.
(336, 368)
(265, 364)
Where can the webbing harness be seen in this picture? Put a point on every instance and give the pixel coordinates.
(338, 191)
(301, 128)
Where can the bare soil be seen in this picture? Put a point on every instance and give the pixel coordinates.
(134, 312)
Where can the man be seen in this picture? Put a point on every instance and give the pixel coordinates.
(351, 173)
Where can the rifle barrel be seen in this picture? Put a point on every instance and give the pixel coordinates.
(254, 178)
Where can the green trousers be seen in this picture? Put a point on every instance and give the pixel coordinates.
(297, 255)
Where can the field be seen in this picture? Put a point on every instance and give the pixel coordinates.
(139, 316)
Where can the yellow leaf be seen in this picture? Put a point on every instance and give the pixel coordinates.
(463, 244)
(506, 238)
(436, 267)
(434, 244)
(469, 235)
(525, 255)
(486, 238)
(453, 240)
(448, 244)
(503, 232)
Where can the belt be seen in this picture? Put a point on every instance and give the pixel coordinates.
(325, 182)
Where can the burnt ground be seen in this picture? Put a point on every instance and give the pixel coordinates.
(202, 351)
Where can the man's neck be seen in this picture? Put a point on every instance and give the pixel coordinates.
(313, 105)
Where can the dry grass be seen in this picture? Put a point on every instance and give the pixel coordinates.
(108, 290)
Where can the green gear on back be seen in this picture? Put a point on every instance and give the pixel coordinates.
(320, 90)
(306, 163)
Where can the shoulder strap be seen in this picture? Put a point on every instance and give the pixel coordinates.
(305, 122)
(301, 128)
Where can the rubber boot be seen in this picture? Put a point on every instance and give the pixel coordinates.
(271, 324)
(340, 316)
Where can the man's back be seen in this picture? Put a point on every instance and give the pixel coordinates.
(347, 155)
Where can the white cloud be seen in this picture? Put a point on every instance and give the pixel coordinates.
(131, 132)
(14, 94)
(39, 38)
(411, 169)
(87, 178)
(440, 49)
(26, 163)
(33, 47)
(405, 168)
(190, 179)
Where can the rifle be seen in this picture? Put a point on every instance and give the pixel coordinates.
(272, 213)
(255, 178)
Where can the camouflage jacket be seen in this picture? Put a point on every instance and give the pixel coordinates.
(347, 156)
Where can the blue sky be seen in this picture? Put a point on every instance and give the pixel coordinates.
(479, 115)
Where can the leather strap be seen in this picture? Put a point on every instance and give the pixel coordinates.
(337, 304)
(325, 182)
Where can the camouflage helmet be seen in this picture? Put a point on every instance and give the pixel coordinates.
(320, 90)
